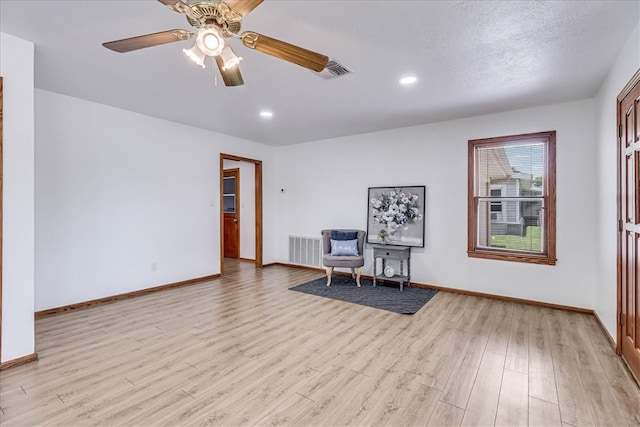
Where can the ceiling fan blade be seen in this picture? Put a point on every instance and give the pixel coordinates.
(243, 7)
(297, 55)
(148, 40)
(231, 77)
(175, 6)
(169, 2)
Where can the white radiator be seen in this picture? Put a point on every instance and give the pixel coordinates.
(305, 251)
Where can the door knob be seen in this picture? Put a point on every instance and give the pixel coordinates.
(235, 220)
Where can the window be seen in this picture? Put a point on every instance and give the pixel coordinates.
(229, 194)
(512, 204)
(496, 207)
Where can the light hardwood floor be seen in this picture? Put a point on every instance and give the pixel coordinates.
(243, 350)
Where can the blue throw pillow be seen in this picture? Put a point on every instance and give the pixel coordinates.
(344, 235)
(344, 247)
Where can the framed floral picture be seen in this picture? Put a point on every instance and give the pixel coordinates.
(395, 215)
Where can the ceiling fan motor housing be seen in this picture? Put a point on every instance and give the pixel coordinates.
(203, 13)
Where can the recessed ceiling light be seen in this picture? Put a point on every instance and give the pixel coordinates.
(266, 114)
(408, 80)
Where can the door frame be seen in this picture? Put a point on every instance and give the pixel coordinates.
(619, 117)
(1, 220)
(258, 206)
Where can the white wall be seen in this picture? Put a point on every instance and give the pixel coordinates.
(117, 192)
(247, 207)
(332, 192)
(621, 72)
(16, 67)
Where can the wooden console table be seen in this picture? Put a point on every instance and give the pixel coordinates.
(399, 253)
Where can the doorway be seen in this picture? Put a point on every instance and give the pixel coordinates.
(226, 220)
(628, 329)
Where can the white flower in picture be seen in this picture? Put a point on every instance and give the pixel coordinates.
(395, 208)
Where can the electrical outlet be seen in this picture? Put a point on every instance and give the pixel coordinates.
(154, 266)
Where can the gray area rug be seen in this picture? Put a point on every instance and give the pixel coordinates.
(383, 296)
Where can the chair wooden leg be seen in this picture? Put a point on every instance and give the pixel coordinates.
(353, 273)
(329, 273)
(358, 276)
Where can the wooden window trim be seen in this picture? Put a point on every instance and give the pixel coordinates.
(549, 213)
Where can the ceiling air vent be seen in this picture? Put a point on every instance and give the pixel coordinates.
(333, 70)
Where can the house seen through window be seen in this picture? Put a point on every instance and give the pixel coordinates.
(512, 198)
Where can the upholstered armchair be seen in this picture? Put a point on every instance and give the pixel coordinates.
(343, 249)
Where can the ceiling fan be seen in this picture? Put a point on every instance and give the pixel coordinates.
(215, 21)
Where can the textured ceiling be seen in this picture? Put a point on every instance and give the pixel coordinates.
(470, 57)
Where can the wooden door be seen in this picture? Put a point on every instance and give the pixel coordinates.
(231, 212)
(629, 224)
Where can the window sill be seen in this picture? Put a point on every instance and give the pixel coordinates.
(514, 257)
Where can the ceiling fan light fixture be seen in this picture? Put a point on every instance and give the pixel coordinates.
(209, 41)
(229, 58)
(196, 55)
